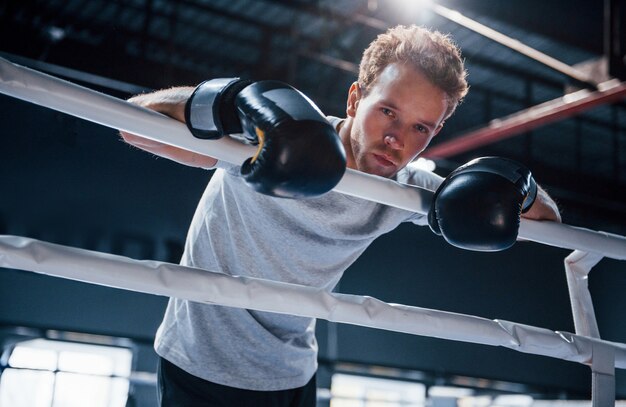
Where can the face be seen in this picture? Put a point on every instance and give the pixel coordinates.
(387, 128)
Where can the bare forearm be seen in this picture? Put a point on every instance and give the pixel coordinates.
(544, 208)
(170, 102)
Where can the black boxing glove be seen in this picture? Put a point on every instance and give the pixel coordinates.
(478, 206)
(299, 153)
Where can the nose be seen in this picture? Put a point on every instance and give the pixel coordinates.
(394, 141)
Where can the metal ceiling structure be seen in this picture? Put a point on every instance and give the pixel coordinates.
(125, 45)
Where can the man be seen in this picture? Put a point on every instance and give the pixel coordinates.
(410, 82)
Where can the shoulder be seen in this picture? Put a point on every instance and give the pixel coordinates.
(334, 121)
(415, 175)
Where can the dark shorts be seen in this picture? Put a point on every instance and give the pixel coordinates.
(181, 389)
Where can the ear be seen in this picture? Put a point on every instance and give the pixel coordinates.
(438, 129)
(354, 97)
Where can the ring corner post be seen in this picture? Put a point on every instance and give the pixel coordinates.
(602, 376)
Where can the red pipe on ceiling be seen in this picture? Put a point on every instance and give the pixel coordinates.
(528, 119)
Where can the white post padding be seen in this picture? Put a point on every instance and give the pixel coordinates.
(577, 268)
(36, 87)
(578, 265)
(208, 287)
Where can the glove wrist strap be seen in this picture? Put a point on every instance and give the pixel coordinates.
(210, 111)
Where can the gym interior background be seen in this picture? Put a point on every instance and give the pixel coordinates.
(71, 182)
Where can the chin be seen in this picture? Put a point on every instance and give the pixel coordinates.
(371, 167)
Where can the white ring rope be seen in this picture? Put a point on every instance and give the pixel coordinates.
(203, 286)
(54, 93)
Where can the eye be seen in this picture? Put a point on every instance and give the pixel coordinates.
(421, 129)
(386, 112)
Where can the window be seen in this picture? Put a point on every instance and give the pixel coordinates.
(359, 391)
(46, 373)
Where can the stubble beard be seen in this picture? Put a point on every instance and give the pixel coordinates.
(363, 160)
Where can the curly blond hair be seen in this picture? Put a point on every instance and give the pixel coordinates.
(431, 52)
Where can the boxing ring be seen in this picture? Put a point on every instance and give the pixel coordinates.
(158, 278)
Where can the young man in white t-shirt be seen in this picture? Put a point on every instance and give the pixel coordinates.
(410, 81)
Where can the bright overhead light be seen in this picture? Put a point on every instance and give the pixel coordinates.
(415, 6)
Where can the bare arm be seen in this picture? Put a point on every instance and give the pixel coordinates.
(544, 208)
(170, 102)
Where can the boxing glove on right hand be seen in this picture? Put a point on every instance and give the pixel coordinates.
(299, 153)
(210, 112)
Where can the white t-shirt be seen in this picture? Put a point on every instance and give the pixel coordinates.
(240, 232)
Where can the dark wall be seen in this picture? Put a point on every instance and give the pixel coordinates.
(71, 182)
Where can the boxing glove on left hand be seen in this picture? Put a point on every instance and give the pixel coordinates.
(478, 206)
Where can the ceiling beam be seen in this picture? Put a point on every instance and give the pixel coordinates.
(514, 45)
(531, 118)
(329, 14)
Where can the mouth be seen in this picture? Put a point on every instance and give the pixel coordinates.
(383, 160)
